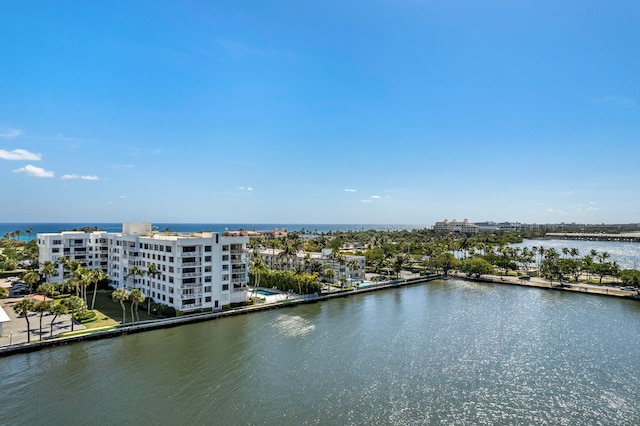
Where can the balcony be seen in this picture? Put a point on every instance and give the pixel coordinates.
(191, 274)
(190, 296)
(190, 285)
(243, 251)
(239, 280)
(192, 306)
(191, 264)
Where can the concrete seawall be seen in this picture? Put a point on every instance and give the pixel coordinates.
(196, 318)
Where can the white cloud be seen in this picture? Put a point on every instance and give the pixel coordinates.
(83, 177)
(365, 201)
(349, 190)
(11, 133)
(375, 197)
(19, 154)
(35, 171)
(248, 188)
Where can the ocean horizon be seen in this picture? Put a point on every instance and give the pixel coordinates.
(52, 227)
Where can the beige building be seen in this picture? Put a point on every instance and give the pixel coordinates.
(464, 227)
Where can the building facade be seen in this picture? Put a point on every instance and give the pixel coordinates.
(193, 272)
(352, 268)
(464, 227)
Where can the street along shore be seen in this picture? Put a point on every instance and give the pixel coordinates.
(579, 287)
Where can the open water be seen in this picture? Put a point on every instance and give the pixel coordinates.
(447, 352)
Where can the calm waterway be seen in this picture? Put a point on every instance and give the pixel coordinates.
(447, 352)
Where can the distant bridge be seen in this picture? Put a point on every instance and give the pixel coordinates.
(627, 238)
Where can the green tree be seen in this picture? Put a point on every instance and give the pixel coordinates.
(57, 310)
(22, 308)
(475, 266)
(31, 278)
(95, 277)
(257, 267)
(444, 262)
(47, 290)
(48, 269)
(41, 308)
(137, 297)
(152, 272)
(120, 295)
(4, 293)
(134, 272)
(75, 307)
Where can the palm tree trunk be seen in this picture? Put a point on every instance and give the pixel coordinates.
(95, 290)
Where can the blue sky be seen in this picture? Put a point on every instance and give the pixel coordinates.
(380, 111)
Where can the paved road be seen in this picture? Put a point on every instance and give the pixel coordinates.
(15, 331)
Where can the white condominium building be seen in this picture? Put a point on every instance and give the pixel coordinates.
(194, 271)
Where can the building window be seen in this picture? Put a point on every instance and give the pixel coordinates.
(207, 248)
(168, 249)
(207, 258)
(225, 248)
(207, 299)
(207, 279)
(171, 300)
(207, 289)
(225, 287)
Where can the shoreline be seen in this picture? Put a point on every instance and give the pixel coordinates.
(576, 287)
(210, 316)
(202, 317)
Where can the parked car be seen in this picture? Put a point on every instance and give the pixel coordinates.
(629, 288)
(524, 277)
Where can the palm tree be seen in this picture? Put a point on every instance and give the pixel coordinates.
(137, 297)
(23, 307)
(398, 263)
(134, 272)
(47, 290)
(274, 244)
(48, 269)
(83, 281)
(56, 311)
(353, 265)
(31, 278)
(120, 295)
(257, 266)
(72, 304)
(152, 272)
(340, 258)
(29, 232)
(95, 277)
(41, 308)
(329, 274)
(288, 252)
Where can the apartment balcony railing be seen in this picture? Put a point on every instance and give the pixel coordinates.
(190, 285)
(190, 296)
(190, 274)
(239, 280)
(191, 264)
(192, 306)
(243, 251)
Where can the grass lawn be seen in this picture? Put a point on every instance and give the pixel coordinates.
(109, 312)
